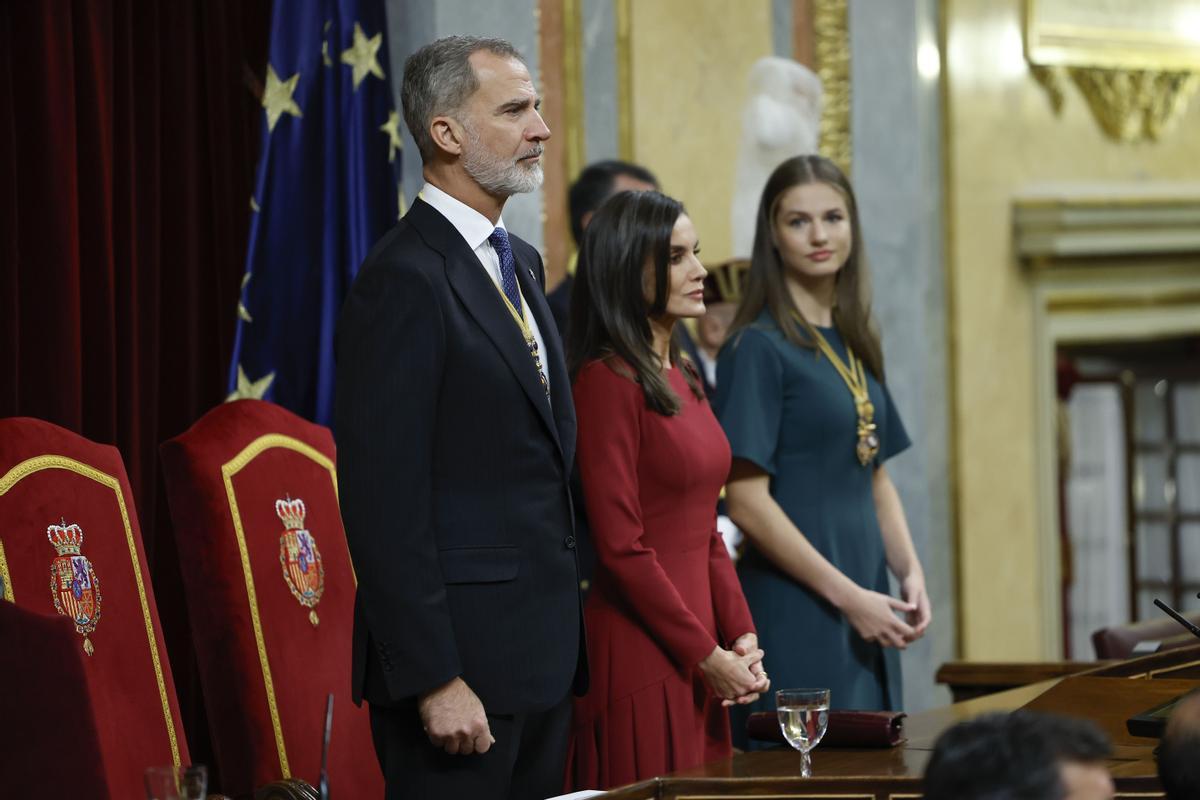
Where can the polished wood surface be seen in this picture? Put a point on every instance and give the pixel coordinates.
(968, 679)
(1107, 693)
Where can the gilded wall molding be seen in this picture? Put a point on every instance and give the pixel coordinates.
(1128, 105)
(831, 32)
(623, 12)
(572, 18)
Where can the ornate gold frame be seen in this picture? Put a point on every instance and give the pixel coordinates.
(1136, 82)
(1103, 42)
(831, 31)
(228, 471)
(39, 463)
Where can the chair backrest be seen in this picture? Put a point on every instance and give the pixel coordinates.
(1118, 641)
(46, 717)
(70, 544)
(270, 588)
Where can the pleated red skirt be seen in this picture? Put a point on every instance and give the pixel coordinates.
(667, 726)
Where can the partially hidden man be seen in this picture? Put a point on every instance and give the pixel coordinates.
(456, 434)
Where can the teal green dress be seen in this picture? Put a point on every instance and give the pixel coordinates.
(786, 409)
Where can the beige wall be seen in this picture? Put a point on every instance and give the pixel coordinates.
(1001, 137)
(689, 60)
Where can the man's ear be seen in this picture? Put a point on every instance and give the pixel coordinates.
(448, 135)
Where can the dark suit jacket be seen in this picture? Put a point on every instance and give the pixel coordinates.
(454, 477)
(559, 301)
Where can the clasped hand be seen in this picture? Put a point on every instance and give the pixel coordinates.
(455, 720)
(736, 676)
(873, 614)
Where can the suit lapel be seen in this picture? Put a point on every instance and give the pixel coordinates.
(478, 294)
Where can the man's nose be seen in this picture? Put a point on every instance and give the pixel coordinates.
(539, 130)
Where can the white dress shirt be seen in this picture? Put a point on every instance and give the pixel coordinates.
(475, 229)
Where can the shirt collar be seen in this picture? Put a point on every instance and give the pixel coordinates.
(474, 227)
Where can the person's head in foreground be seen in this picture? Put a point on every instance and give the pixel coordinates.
(1024, 755)
(1179, 753)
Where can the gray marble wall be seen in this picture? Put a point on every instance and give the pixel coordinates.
(601, 108)
(413, 24)
(895, 124)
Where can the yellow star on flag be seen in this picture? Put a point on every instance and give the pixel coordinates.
(392, 129)
(243, 312)
(248, 389)
(362, 55)
(277, 97)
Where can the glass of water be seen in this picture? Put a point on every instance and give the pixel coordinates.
(176, 783)
(803, 718)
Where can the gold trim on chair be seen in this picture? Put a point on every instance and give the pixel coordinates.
(39, 463)
(228, 470)
(7, 594)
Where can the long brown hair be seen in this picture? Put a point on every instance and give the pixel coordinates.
(609, 312)
(767, 288)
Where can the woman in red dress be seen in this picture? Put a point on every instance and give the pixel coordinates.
(670, 638)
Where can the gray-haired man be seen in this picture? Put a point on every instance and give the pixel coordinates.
(456, 435)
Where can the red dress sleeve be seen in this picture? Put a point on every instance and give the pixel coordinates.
(729, 604)
(609, 409)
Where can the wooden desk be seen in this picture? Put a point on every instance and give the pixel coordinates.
(1107, 694)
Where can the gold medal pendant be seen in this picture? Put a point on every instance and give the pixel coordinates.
(530, 339)
(868, 440)
(866, 446)
(537, 362)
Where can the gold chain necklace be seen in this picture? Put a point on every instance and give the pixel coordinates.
(527, 332)
(855, 377)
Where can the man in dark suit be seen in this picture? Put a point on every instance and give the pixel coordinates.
(456, 435)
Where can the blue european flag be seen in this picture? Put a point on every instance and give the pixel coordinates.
(327, 188)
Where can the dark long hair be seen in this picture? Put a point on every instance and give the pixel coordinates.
(609, 313)
(765, 284)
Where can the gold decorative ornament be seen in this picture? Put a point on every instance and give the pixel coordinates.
(729, 277)
(866, 446)
(1134, 61)
(832, 49)
(1134, 105)
(1129, 105)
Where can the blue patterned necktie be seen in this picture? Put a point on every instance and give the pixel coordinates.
(508, 267)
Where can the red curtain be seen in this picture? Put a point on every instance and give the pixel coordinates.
(128, 137)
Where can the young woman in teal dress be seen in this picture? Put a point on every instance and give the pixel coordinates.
(802, 399)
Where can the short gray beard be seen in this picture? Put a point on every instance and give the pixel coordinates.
(497, 176)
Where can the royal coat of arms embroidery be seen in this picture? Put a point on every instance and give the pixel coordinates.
(299, 557)
(74, 586)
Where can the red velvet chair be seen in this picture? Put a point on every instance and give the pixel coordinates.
(270, 588)
(70, 545)
(45, 697)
